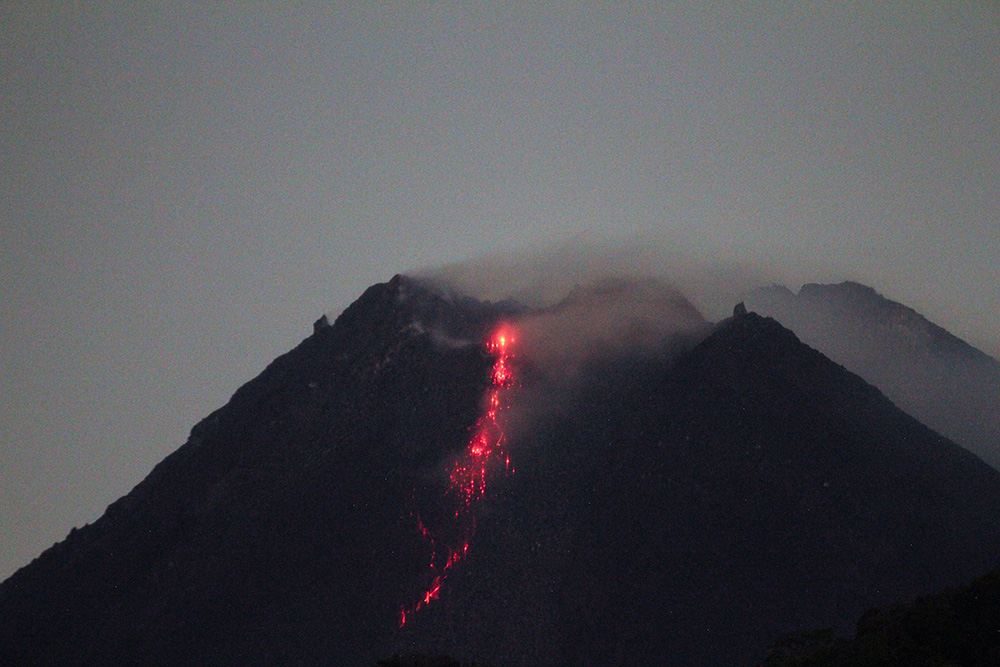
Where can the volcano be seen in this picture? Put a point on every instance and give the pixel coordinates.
(683, 500)
(946, 383)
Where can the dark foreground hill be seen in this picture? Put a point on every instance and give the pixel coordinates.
(959, 627)
(682, 505)
(946, 383)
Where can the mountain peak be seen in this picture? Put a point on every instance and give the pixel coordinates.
(847, 287)
(936, 376)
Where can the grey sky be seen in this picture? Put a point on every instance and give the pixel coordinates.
(184, 188)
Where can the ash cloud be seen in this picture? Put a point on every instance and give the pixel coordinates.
(608, 317)
(542, 278)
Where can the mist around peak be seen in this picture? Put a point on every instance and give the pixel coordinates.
(609, 318)
(581, 302)
(584, 300)
(543, 277)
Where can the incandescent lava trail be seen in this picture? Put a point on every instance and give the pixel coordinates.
(468, 476)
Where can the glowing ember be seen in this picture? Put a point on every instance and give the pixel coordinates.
(469, 474)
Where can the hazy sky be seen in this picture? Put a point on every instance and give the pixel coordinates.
(185, 187)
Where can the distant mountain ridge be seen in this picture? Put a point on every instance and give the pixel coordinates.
(948, 384)
(680, 504)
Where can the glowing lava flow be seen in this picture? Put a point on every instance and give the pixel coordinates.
(468, 475)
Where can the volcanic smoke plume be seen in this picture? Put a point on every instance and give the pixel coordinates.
(610, 317)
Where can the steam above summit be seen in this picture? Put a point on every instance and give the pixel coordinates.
(543, 278)
(608, 318)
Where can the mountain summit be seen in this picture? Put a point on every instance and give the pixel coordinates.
(949, 385)
(683, 500)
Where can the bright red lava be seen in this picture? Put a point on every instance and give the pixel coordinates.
(469, 473)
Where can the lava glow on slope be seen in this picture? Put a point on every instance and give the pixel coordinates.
(469, 474)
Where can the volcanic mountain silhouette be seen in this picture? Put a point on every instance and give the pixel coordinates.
(677, 505)
(946, 383)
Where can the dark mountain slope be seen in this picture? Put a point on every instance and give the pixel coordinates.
(935, 376)
(281, 531)
(682, 505)
(688, 512)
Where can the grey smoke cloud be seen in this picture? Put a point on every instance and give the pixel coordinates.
(603, 319)
(543, 276)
